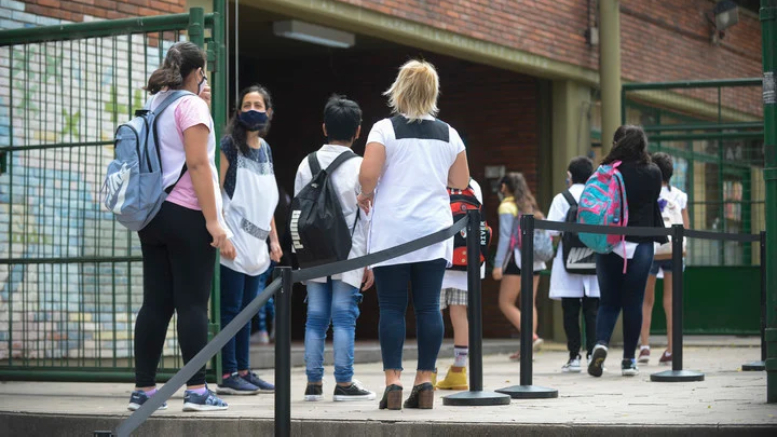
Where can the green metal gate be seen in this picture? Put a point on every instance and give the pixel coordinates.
(714, 132)
(70, 276)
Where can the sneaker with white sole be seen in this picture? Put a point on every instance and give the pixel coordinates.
(596, 365)
(236, 385)
(353, 392)
(572, 366)
(644, 355)
(537, 344)
(629, 367)
(138, 398)
(666, 359)
(264, 386)
(314, 392)
(193, 401)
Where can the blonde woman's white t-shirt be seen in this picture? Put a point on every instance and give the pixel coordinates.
(411, 199)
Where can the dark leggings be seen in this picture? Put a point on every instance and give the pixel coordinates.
(178, 264)
(425, 281)
(622, 291)
(571, 308)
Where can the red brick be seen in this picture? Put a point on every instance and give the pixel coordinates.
(108, 5)
(128, 9)
(49, 3)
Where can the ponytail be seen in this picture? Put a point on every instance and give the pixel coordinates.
(181, 59)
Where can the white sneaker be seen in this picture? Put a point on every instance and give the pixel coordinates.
(572, 366)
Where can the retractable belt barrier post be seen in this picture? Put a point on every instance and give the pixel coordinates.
(283, 355)
(761, 365)
(526, 390)
(476, 396)
(677, 374)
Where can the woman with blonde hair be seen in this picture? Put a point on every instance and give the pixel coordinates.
(517, 200)
(410, 160)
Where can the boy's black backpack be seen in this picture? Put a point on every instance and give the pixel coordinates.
(577, 257)
(317, 226)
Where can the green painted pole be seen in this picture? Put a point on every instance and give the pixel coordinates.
(769, 35)
(610, 70)
(196, 29)
(219, 102)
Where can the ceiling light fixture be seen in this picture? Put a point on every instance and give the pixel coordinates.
(313, 33)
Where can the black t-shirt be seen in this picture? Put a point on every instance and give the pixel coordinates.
(643, 186)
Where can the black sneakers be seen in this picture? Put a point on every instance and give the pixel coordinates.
(314, 392)
(354, 392)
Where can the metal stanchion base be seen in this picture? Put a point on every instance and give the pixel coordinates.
(476, 399)
(755, 366)
(103, 434)
(529, 392)
(677, 376)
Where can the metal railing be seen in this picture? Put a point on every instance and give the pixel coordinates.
(70, 277)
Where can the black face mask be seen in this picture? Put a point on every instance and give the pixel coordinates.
(253, 120)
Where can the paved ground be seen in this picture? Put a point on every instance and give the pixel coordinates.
(728, 397)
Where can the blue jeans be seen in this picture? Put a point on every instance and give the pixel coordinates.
(237, 291)
(268, 310)
(622, 291)
(337, 303)
(425, 280)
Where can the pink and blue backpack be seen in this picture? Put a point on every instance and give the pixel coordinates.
(603, 203)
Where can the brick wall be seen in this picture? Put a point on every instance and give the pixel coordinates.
(497, 118)
(77, 11)
(662, 40)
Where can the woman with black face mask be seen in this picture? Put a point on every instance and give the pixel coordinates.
(250, 199)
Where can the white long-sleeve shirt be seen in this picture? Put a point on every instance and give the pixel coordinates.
(346, 182)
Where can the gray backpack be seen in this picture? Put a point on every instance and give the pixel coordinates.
(133, 183)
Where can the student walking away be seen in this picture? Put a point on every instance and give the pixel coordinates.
(333, 300)
(454, 285)
(673, 203)
(628, 184)
(180, 241)
(517, 199)
(415, 157)
(573, 278)
(251, 196)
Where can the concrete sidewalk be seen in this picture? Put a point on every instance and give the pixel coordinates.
(728, 401)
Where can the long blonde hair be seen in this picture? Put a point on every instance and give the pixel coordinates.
(414, 92)
(516, 184)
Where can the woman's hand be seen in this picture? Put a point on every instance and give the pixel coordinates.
(365, 201)
(368, 279)
(276, 253)
(497, 274)
(205, 94)
(228, 250)
(217, 232)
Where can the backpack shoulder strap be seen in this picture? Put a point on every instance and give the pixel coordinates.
(315, 167)
(345, 156)
(569, 198)
(173, 97)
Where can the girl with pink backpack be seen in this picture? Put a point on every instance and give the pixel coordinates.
(622, 264)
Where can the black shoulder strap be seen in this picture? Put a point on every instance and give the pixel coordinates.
(345, 156)
(568, 196)
(315, 167)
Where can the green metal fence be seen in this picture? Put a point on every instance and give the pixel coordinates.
(70, 276)
(714, 132)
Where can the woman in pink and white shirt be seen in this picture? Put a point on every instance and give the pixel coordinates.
(179, 245)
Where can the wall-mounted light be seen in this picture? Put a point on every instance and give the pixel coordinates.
(313, 33)
(724, 15)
